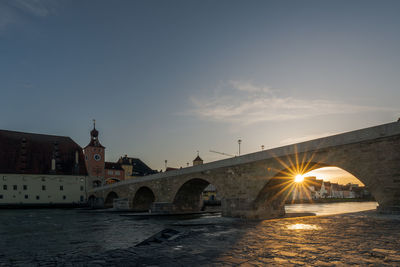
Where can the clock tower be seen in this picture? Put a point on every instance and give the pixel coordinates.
(94, 157)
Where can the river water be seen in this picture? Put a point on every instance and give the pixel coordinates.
(26, 234)
(331, 208)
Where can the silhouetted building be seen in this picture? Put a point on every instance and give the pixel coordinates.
(40, 169)
(197, 161)
(134, 167)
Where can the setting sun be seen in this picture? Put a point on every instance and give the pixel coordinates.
(299, 178)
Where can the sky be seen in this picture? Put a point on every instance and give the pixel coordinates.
(165, 79)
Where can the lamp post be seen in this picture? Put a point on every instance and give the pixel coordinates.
(239, 142)
(165, 164)
(262, 147)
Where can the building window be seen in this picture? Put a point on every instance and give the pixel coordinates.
(81, 188)
(26, 196)
(15, 187)
(1, 196)
(5, 187)
(117, 173)
(64, 197)
(37, 197)
(25, 187)
(43, 187)
(61, 187)
(110, 172)
(53, 164)
(82, 199)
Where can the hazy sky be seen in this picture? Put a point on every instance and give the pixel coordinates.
(164, 79)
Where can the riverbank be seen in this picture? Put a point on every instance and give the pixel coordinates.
(362, 238)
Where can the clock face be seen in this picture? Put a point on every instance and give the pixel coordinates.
(97, 157)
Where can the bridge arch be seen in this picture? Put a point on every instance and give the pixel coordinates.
(109, 202)
(279, 187)
(281, 183)
(143, 199)
(188, 198)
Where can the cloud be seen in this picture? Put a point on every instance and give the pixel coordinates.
(38, 8)
(247, 103)
(7, 16)
(249, 87)
(16, 11)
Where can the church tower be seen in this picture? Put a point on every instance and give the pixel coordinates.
(197, 160)
(94, 157)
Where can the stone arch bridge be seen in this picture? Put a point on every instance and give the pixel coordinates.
(255, 185)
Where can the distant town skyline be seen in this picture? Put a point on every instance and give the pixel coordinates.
(165, 79)
(334, 175)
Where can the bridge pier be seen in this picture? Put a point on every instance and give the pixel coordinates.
(391, 203)
(171, 208)
(243, 208)
(96, 202)
(388, 209)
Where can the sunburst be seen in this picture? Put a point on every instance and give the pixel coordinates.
(292, 177)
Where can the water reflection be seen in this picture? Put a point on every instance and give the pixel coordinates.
(330, 208)
(301, 226)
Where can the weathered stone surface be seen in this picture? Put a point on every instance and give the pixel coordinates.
(360, 239)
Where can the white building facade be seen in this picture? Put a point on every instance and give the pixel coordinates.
(16, 189)
(41, 170)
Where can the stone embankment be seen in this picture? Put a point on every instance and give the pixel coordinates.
(364, 238)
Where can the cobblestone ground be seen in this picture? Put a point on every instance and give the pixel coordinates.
(363, 238)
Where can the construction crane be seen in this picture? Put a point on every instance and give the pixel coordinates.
(221, 153)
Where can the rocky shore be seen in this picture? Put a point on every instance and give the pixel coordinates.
(364, 238)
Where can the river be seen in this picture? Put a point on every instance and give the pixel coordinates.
(331, 208)
(51, 232)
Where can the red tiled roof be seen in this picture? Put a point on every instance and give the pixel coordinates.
(29, 153)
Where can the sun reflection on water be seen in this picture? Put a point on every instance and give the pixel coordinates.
(301, 226)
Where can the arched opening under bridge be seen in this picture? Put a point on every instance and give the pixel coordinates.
(109, 202)
(191, 195)
(143, 199)
(320, 184)
(211, 199)
(332, 190)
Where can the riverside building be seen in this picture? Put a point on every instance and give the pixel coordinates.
(113, 173)
(41, 170)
